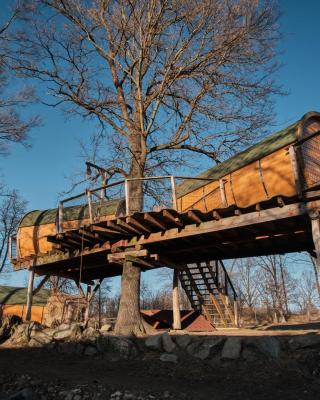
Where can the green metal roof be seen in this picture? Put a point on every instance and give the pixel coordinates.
(72, 213)
(11, 295)
(267, 146)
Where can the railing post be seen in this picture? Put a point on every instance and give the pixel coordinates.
(127, 196)
(60, 217)
(174, 194)
(90, 206)
(223, 193)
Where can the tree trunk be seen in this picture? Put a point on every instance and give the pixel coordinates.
(130, 321)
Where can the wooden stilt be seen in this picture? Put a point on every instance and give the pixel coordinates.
(236, 313)
(315, 225)
(175, 300)
(29, 294)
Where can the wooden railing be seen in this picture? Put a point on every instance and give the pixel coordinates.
(91, 195)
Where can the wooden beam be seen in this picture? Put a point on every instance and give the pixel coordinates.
(315, 226)
(175, 301)
(29, 294)
(129, 228)
(153, 221)
(168, 215)
(133, 221)
(194, 217)
(252, 218)
(122, 255)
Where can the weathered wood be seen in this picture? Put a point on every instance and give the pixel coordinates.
(137, 224)
(129, 228)
(122, 255)
(168, 215)
(315, 226)
(175, 301)
(152, 220)
(252, 218)
(194, 217)
(29, 294)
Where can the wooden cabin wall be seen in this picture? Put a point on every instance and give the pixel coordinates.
(37, 311)
(266, 178)
(32, 240)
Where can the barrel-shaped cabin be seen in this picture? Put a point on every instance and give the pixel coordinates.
(35, 227)
(285, 164)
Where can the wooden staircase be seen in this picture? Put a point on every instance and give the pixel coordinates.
(210, 291)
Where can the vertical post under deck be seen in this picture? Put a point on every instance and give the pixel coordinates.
(236, 313)
(315, 226)
(175, 300)
(29, 294)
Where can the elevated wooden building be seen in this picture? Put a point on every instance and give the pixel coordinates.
(262, 201)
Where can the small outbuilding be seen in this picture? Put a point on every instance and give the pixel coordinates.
(13, 302)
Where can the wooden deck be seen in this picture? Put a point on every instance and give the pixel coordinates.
(172, 239)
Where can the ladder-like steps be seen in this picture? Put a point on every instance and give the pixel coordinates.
(210, 291)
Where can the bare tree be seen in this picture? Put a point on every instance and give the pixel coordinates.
(13, 98)
(162, 77)
(247, 282)
(12, 208)
(307, 295)
(276, 284)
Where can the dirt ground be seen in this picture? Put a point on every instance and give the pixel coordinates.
(54, 376)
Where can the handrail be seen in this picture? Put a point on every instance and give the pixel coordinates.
(89, 192)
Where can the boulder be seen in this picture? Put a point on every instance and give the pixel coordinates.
(41, 338)
(66, 331)
(170, 358)
(124, 347)
(304, 341)
(266, 345)
(167, 343)
(7, 325)
(105, 328)
(183, 341)
(154, 342)
(90, 333)
(231, 349)
(205, 348)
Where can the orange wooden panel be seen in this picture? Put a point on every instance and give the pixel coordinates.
(247, 186)
(278, 174)
(20, 310)
(32, 240)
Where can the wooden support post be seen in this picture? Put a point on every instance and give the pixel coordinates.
(236, 313)
(315, 226)
(127, 196)
(88, 300)
(60, 217)
(90, 206)
(174, 194)
(175, 301)
(29, 294)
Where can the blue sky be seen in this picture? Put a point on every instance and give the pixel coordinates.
(41, 172)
